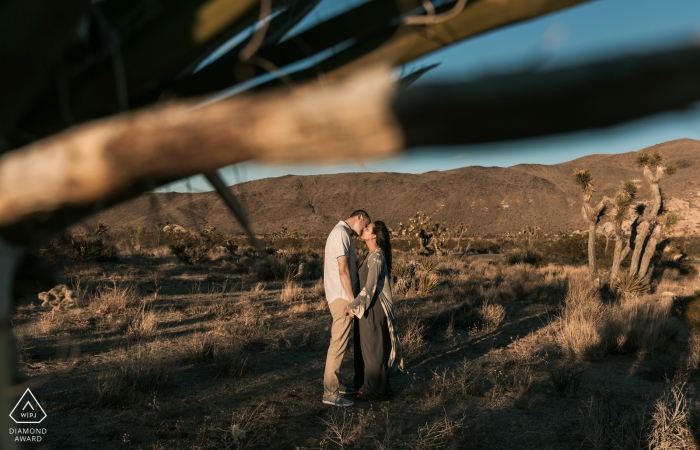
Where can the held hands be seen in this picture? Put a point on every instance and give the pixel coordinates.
(348, 312)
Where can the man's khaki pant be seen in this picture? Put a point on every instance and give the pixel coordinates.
(340, 334)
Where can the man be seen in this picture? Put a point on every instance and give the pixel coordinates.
(342, 284)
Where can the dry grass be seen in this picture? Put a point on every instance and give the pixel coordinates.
(412, 334)
(114, 299)
(345, 428)
(428, 283)
(581, 317)
(609, 423)
(439, 433)
(491, 315)
(145, 373)
(142, 326)
(253, 427)
(291, 292)
(589, 329)
(669, 427)
(693, 358)
(640, 324)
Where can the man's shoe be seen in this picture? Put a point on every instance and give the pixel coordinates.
(347, 390)
(361, 396)
(337, 400)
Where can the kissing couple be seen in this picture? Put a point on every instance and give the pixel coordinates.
(359, 294)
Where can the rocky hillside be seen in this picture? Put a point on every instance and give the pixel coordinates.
(488, 199)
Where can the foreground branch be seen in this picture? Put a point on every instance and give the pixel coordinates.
(348, 120)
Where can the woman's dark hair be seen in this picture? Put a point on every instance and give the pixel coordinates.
(384, 241)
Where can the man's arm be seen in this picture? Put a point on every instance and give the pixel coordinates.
(345, 281)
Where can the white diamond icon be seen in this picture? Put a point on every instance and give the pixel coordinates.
(28, 409)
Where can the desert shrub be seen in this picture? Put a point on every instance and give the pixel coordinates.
(587, 329)
(428, 283)
(629, 284)
(566, 377)
(253, 427)
(412, 335)
(142, 326)
(491, 315)
(640, 324)
(402, 273)
(199, 348)
(81, 247)
(231, 362)
(483, 246)
(607, 423)
(521, 282)
(115, 298)
(569, 250)
(189, 247)
(291, 291)
(345, 427)
(669, 427)
(267, 269)
(134, 377)
(465, 379)
(522, 256)
(693, 358)
(439, 433)
(580, 318)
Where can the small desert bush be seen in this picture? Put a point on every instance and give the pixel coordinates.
(491, 315)
(669, 427)
(134, 377)
(403, 273)
(629, 284)
(79, 247)
(522, 256)
(520, 283)
(640, 324)
(115, 298)
(345, 427)
(428, 283)
(253, 427)
(439, 433)
(267, 269)
(589, 329)
(607, 422)
(141, 326)
(412, 335)
(199, 348)
(291, 292)
(693, 358)
(465, 379)
(580, 318)
(231, 362)
(566, 377)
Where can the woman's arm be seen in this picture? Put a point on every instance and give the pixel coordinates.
(364, 299)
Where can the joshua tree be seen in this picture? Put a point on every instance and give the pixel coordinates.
(531, 232)
(591, 214)
(619, 213)
(458, 232)
(431, 236)
(651, 220)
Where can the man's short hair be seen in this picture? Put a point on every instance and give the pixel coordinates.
(361, 211)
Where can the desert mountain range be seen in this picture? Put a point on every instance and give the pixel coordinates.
(488, 199)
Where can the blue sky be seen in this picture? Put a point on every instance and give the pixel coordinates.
(592, 31)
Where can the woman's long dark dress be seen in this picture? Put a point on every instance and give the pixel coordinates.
(377, 332)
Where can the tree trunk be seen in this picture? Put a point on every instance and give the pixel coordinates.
(642, 233)
(592, 263)
(649, 251)
(617, 256)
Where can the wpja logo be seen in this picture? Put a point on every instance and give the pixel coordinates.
(28, 411)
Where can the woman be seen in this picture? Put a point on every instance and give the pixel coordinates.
(379, 338)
